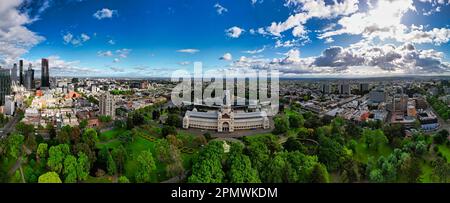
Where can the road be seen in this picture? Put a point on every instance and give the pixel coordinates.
(9, 127)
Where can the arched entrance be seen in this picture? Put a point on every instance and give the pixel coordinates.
(225, 127)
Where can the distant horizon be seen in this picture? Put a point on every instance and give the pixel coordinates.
(115, 38)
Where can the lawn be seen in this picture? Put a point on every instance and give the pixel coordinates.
(141, 144)
(426, 172)
(445, 151)
(110, 144)
(111, 134)
(103, 179)
(362, 153)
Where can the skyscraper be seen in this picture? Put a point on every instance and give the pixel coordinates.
(107, 105)
(29, 78)
(45, 77)
(14, 74)
(5, 85)
(21, 72)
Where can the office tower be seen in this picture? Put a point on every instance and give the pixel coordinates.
(14, 74)
(45, 77)
(21, 72)
(5, 85)
(344, 89)
(29, 78)
(107, 105)
(326, 88)
(10, 105)
(363, 87)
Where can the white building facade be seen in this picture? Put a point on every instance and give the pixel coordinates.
(226, 119)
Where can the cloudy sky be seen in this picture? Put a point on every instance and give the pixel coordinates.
(300, 38)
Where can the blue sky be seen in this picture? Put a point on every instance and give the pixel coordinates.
(300, 38)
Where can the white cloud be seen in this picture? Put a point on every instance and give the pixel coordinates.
(308, 9)
(383, 22)
(234, 32)
(15, 38)
(253, 2)
(184, 63)
(85, 37)
(111, 42)
(105, 53)
(226, 57)
(123, 53)
(361, 59)
(189, 51)
(220, 9)
(329, 40)
(104, 13)
(116, 60)
(256, 51)
(69, 38)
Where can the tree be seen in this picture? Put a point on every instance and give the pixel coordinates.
(90, 137)
(240, 167)
(331, 152)
(51, 130)
(173, 120)
(162, 151)
(41, 152)
(105, 119)
(83, 166)
(410, 168)
(15, 143)
(111, 165)
(441, 137)
(281, 125)
(207, 166)
(75, 135)
(168, 130)
(441, 170)
(49, 177)
(25, 129)
(63, 136)
(85, 149)
(156, 114)
(119, 155)
(145, 167)
(123, 179)
(175, 165)
(374, 139)
(296, 120)
(70, 169)
(319, 174)
(56, 157)
(83, 124)
(294, 144)
(376, 176)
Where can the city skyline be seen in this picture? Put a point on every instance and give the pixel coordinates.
(300, 38)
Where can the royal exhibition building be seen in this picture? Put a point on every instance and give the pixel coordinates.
(226, 119)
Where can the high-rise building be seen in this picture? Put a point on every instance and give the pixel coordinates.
(14, 74)
(326, 88)
(5, 85)
(29, 78)
(21, 72)
(363, 87)
(344, 88)
(10, 105)
(107, 105)
(45, 76)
